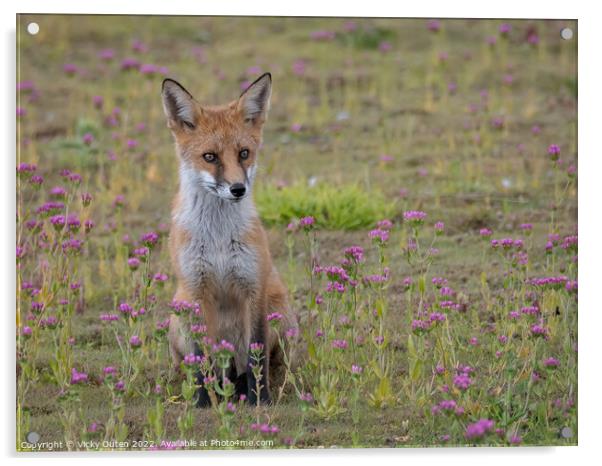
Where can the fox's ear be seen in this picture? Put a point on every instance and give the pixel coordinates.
(178, 104)
(254, 102)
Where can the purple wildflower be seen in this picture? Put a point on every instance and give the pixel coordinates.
(478, 429)
(88, 139)
(340, 344)
(433, 25)
(307, 222)
(355, 253)
(551, 363)
(70, 69)
(135, 341)
(414, 217)
(128, 64)
(274, 317)
(379, 236)
(224, 347)
(78, 377)
(462, 381)
(142, 253)
(554, 152)
(505, 29)
(97, 102)
(133, 263)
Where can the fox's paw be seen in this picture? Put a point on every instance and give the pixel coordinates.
(202, 399)
(264, 399)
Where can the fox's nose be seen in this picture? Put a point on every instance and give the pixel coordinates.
(238, 189)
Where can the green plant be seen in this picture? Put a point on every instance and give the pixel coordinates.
(345, 207)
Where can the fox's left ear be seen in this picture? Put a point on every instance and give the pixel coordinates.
(254, 102)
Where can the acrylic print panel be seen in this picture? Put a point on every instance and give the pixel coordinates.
(375, 245)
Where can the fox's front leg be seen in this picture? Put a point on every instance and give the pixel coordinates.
(259, 335)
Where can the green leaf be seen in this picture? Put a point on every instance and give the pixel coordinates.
(416, 371)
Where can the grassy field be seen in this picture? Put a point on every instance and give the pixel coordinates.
(457, 328)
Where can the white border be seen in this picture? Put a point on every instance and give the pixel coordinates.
(589, 209)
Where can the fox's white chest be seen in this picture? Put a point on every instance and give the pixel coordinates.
(216, 252)
(225, 262)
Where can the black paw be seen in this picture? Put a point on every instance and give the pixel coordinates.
(202, 399)
(264, 398)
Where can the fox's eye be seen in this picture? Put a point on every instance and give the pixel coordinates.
(244, 154)
(210, 157)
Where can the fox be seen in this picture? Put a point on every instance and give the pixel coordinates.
(218, 247)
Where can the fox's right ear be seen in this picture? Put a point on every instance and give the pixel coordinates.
(178, 104)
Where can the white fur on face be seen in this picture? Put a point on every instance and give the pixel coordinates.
(206, 181)
(207, 178)
(251, 172)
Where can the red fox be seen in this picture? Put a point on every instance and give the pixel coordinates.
(218, 247)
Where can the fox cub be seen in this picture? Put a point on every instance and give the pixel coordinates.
(217, 244)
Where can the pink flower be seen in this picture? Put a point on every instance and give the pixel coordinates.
(415, 217)
(224, 347)
(274, 317)
(551, 363)
(379, 236)
(135, 341)
(385, 224)
(340, 344)
(70, 69)
(433, 25)
(78, 377)
(307, 222)
(478, 429)
(505, 29)
(88, 139)
(133, 263)
(462, 381)
(554, 152)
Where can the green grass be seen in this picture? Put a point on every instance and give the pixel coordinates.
(346, 207)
